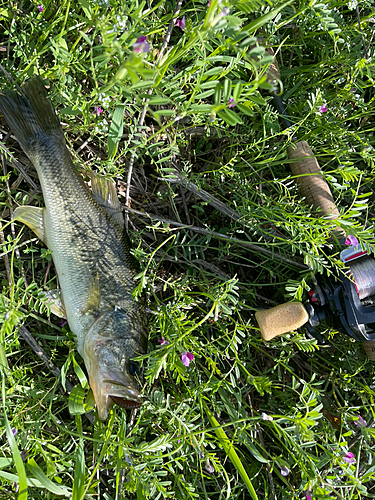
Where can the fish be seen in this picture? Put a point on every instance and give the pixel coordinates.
(84, 230)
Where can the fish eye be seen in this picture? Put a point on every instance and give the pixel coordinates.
(133, 368)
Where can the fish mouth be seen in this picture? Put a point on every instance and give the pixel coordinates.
(109, 388)
(124, 403)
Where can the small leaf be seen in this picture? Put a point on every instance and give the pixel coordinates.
(213, 71)
(203, 95)
(237, 91)
(164, 112)
(245, 110)
(115, 131)
(226, 89)
(157, 100)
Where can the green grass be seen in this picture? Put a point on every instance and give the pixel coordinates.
(247, 419)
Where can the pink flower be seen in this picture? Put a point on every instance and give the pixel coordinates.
(181, 23)
(351, 240)
(98, 110)
(361, 422)
(40, 8)
(323, 109)
(308, 495)
(141, 45)
(186, 357)
(231, 103)
(209, 3)
(163, 341)
(349, 458)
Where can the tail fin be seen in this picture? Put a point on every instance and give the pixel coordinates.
(30, 115)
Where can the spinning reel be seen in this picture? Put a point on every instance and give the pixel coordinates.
(346, 302)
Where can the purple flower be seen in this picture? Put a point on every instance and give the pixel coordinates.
(14, 431)
(231, 103)
(349, 458)
(361, 422)
(351, 240)
(323, 109)
(308, 495)
(266, 417)
(40, 8)
(209, 467)
(63, 322)
(141, 45)
(16, 487)
(98, 110)
(163, 341)
(224, 12)
(186, 358)
(284, 471)
(181, 23)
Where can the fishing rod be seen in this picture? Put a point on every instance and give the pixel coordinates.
(345, 301)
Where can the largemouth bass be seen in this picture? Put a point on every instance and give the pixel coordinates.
(84, 231)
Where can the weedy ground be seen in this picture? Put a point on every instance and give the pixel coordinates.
(191, 103)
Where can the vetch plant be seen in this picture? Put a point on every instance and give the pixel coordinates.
(144, 91)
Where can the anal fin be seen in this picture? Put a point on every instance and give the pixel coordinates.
(33, 217)
(104, 192)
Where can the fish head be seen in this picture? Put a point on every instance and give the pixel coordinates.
(108, 349)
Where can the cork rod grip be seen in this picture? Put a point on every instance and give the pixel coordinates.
(311, 182)
(281, 319)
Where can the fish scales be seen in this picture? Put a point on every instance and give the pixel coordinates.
(90, 251)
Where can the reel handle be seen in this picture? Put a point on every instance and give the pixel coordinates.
(281, 319)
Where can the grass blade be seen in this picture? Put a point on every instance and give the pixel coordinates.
(45, 481)
(230, 452)
(79, 474)
(34, 483)
(22, 495)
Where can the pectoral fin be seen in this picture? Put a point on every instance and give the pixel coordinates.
(55, 303)
(104, 192)
(93, 300)
(33, 217)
